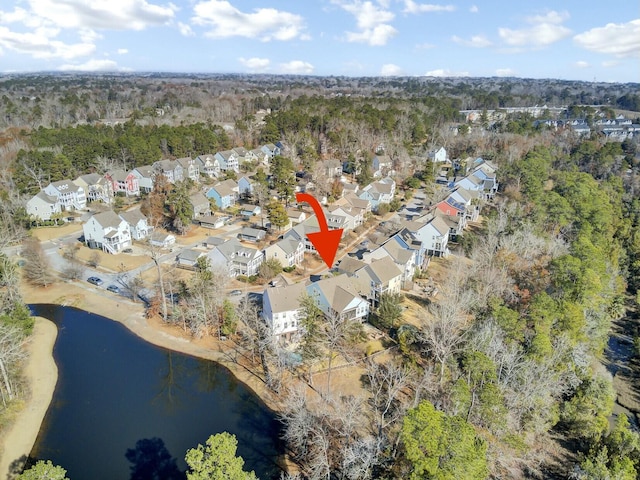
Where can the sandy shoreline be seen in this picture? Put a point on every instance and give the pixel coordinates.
(41, 374)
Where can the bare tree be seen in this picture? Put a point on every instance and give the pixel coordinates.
(36, 269)
(11, 352)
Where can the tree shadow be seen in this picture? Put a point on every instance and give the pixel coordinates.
(151, 460)
(19, 465)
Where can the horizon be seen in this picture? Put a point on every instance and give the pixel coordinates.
(350, 38)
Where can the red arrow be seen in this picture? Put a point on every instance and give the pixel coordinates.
(326, 241)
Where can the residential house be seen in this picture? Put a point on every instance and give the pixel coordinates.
(434, 235)
(381, 165)
(456, 224)
(332, 168)
(228, 160)
(407, 259)
(349, 265)
(296, 216)
(336, 221)
(383, 277)
(237, 258)
(223, 195)
(190, 168)
(470, 200)
(254, 235)
(145, 175)
(349, 188)
(288, 252)
(354, 216)
(438, 155)
(488, 177)
(354, 201)
(162, 239)
(96, 187)
(138, 225)
(380, 192)
(260, 156)
(42, 206)
(281, 309)
(108, 231)
(302, 230)
(69, 195)
(271, 150)
(248, 211)
(245, 187)
(171, 169)
(188, 258)
(200, 204)
(340, 297)
(209, 165)
(123, 182)
(213, 221)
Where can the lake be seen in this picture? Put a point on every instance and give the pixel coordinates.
(126, 409)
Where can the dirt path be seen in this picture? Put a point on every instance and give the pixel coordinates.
(42, 374)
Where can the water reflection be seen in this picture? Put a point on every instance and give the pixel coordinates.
(117, 393)
(152, 461)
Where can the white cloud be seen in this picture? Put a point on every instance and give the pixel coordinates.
(412, 7)
(377, 36)
(122, 51)
(264, 23)
(610, 63)
(371, 20)
(619, 39)
(425, 46)
(39, 44)
(296, 67)
(477, 41)
(544, 30)
(93, 66)
(185, 30)
(473, 9)
(505, 72)
(582, 64)
(45, 20)
(255, 64)
(102, 14)
(391, 70)
(441, 72)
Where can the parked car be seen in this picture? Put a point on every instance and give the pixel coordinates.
(235, 293)
(95, 280)
(113, 288)
(127, 250)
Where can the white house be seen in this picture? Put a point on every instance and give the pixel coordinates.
(379, 192)
(209, 165)
(281, 308)
(138, 225)
(42, 206)
(145, 175)
(190, 168)
(288, 252)
(69, 195)
(108, 231)
(340, 296)
(228, 160)
(434, 235)
(438, 155)
(96, 187)
(382, 276)
(238, 258)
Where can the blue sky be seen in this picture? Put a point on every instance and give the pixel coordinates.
(572, 40)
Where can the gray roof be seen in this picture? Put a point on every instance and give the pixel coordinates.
(237, 252)
(145, 171)
(165, 165)
(184, 161)
(339, 291)
(108, 219)
(132, 217)
(350, 265)
(190, 255)
(91, 178)
(214, 241)
(118, 175)
(383, 270)
(252, 232)
(285, 299)
(65, 185)
(223, 190)
(197, 199)
(46, 198)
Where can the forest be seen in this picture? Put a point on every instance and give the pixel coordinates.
(506, 375)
